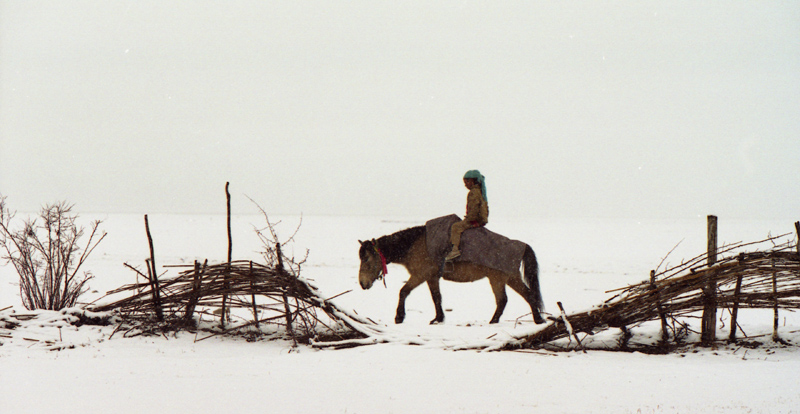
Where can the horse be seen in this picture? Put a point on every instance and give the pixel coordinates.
(409, 249)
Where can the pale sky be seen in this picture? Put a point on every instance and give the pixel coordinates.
(591, 109)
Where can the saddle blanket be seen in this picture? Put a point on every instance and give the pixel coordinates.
(479, 245)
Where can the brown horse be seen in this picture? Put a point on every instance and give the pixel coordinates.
(409, 248)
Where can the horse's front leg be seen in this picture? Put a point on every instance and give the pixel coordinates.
(412, 284)
(436, 295)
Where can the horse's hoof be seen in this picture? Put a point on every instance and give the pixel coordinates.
(494, 321)
(538, 320)
(437, 321)
(399, 319)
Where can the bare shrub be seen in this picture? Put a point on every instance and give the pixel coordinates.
(46, 255)
(272, 253)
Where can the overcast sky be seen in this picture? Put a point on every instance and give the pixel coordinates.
(594, 109)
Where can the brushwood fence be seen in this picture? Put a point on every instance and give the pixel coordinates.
(756, 275)
(274, 293)
(724, 277)
(271, 294)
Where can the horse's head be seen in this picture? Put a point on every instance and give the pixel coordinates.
(372, 267)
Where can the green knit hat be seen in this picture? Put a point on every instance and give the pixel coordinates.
(475, 174)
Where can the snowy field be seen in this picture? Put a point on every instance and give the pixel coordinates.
(580, 260)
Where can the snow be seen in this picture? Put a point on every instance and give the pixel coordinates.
(580, 260)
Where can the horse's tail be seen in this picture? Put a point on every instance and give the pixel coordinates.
(530, 274)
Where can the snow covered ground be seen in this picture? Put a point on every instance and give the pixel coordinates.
(580, 260)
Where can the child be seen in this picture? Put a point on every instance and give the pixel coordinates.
(477, 210)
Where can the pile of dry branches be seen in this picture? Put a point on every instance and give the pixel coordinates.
(762, 279)
(270, 295)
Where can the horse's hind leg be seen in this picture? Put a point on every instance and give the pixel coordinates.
(499, 290)
(436, 295)
(519, 287)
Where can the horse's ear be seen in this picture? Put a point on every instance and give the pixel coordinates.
(361, 242)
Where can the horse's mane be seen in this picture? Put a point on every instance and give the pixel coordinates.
(395, 246)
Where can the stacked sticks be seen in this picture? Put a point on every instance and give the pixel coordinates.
(271, 294)
(761, 279)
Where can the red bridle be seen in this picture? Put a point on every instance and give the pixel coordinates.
(384, 270)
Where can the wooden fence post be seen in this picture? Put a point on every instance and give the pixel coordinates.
(776, 317)
(195, 296)
(253, 294)
(709, 322)
(230, 254)
(735, 310)
(661, 315)
(797, 228)
(153, 274)
(775, 307)
(230, 239)
(282, 271)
